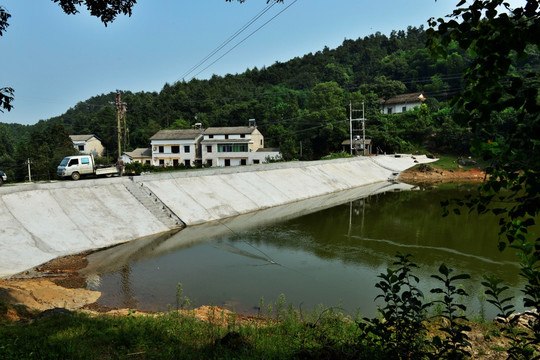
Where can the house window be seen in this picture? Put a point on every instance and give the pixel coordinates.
(81, 147)
(161, 162)
(175, 149)
(224, 147)
(256, 161)
(186, 148)
(227, 162)
(210, 136)
(243, 162)
(261, 142)
(403, 109)
(226, 136)
(147, 162)
(232, 147)
(160, 149)
(242, 136)
(389, 110)
(208, 148)
(188, 163)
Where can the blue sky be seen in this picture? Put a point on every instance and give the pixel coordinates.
(53, 60)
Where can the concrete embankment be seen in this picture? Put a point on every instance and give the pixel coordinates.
(39, 222)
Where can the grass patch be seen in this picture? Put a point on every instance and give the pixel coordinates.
(339, 155)
(323, 333)
(450, 162)
(172, 335)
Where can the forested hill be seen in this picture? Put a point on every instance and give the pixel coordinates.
(303, 100)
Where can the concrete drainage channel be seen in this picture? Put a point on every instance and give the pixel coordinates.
(150, 201)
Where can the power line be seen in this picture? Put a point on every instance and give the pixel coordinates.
(234, 47)
(226, 42)
(293, 92)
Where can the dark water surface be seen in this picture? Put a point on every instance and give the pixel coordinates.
(330, 257)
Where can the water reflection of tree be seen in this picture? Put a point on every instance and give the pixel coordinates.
(371, 230)
(127, 292)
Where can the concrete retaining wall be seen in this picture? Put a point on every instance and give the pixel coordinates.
(39, 222)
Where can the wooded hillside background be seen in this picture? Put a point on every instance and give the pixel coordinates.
(300, 106)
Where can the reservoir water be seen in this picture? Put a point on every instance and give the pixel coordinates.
(314, 256)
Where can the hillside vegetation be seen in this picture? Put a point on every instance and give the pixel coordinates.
(301, 106)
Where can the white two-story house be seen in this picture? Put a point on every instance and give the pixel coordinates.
(231, 146)
(401, 103)
(175, 147)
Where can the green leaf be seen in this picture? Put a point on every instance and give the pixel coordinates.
(443, 269)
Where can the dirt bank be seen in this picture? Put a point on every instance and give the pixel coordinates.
(55, 284)
(427, 174)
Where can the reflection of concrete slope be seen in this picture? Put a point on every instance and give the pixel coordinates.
(115, 258)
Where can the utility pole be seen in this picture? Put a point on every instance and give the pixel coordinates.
(28, 162)
(121, 109)
(363, 130)
(350, 124)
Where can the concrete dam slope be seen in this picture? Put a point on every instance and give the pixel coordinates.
(40, 222)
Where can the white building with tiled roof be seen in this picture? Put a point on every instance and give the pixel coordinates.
(88, 144)
(401, 103)
(141, 155)
(175, 147)
(231, 146)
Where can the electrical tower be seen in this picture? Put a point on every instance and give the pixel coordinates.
(352, 130)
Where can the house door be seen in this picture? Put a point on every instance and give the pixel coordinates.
(227, 162)
(175, 162)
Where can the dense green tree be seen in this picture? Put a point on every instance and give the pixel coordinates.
(416, 124)
(326, 117)
(495, 87)
(448, 136)
(104, 123)
(44, 149)
(6, 140)
(437, 86)
(384, 87)
(180, 124)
